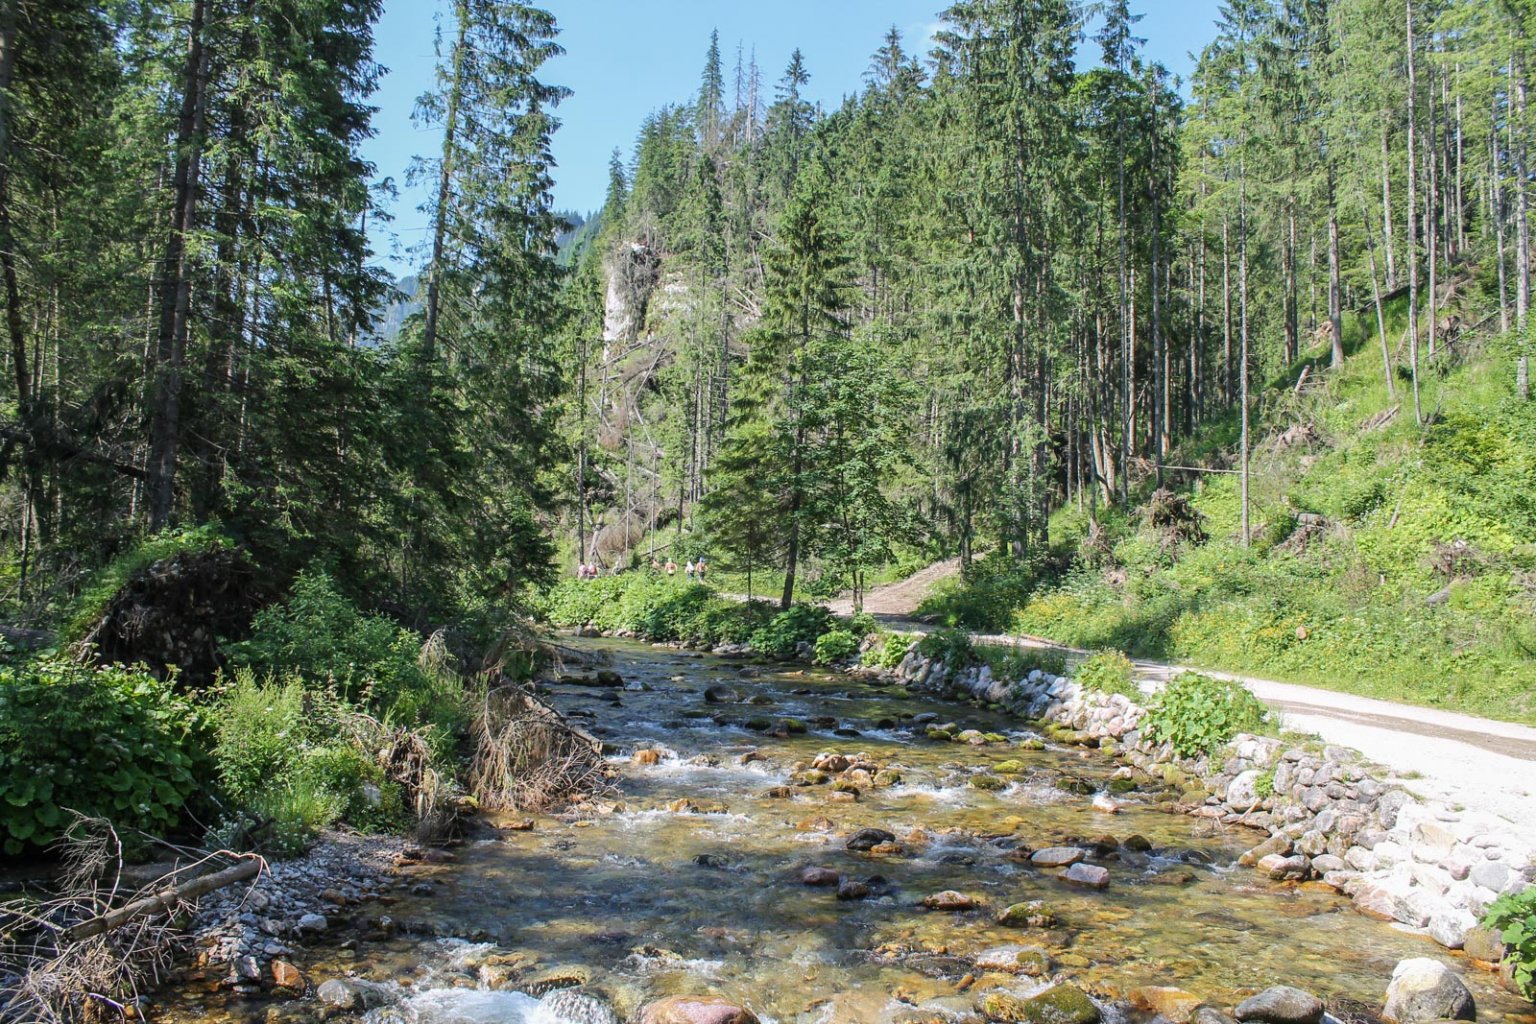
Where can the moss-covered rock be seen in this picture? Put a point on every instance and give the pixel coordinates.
(1030, 914)
(1059, 1004)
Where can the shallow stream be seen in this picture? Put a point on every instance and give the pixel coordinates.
(647, 897)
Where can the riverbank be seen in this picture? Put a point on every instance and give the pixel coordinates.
(967, 875)
(1329, 814)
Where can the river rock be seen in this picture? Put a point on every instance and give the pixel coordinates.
(352, 994)
(1243, 791)
(852, 890)
(1484, 944)
(646, 758)
(1210, 1015)
(1058, 856)
(1424, 990)
(1449, 926)
(1276, 844)
(568, 1006)
(818, 876)
(1033, 914)
(950, 900)
(313, 924)
(1281, 868)
(1088, 875)
(285, 975)
(696, 1010)
(1059, 1004)
(1174, 1003)
(869, 838)
(1027, 960)
(1282, 1004)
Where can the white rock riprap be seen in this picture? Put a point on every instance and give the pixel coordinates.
(1327, 812)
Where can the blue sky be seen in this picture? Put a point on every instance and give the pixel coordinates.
(626, 58)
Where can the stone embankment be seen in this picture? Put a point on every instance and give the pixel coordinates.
(1325, 813)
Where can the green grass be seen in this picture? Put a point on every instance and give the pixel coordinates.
(1345, 607)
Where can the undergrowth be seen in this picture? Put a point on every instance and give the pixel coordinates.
(1386, 559)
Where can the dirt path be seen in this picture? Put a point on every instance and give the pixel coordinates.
(902, 597)
(1463, 760)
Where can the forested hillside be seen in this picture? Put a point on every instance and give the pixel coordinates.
(1022, 274)
(194, 310)
(1022, 271)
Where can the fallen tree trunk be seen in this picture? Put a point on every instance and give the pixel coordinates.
(166, 901)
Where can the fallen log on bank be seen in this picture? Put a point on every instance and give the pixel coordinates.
(167, 900)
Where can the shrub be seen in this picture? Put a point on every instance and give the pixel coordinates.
(951, 646)
(986, 599)
(889, 651)
(863, 624)
(1015, 663)
(835, 646)
(288, 770)
(261, 729)
(1197, 714)
(320, 635)
(111, 742)
(786, 631)
(1109, 672)
(1513, 916)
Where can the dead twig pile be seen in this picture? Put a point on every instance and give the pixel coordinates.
(1175, 519)
(84, 954)
(528, 757)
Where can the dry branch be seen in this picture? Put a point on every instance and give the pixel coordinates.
(166, 901)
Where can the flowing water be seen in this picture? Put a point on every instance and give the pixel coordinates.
(650, 898)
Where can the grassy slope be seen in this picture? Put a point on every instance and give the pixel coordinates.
(1347, 609)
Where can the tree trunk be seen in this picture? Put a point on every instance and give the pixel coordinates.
(176, 286)
(444, 187)
(1335, 295)
(1381, 319)
(1522, 205)
(1413, 242)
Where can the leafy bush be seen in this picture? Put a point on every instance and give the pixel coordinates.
(951, 646)
(290, 771)
(803, 623)
(111, 742)
(1017, 663)
(1197, 714)
(1109, 672)
(863, 624)
(1513, 916)
(985, 600)
(320, 635)
(889, 651)
(835, 646)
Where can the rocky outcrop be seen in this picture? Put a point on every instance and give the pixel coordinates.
(632, 271)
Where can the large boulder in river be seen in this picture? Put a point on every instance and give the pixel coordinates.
(696, 1010)
(1281, 1004)
(1176, 1004)
(1423, 990)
